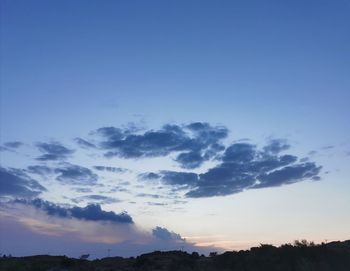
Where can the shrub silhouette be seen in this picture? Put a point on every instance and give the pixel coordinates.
(301, 256)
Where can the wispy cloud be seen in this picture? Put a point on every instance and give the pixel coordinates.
(110, 169)
(13, 144)
(74, 174)
(53, 151)
(14, 182)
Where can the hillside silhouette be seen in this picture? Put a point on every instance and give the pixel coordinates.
(300, 256)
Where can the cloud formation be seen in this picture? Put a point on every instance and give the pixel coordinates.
(13, 144)
(100, 199)
(166, 235)
(242, 167)
(110, 169)
(76, 175)
(91, 212)
(14, 182)
(39, 170)
(53, 151)
(148, 195)
(84, 143)
(196, 142)
(72, 236)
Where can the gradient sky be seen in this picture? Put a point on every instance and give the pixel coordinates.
(231, 124)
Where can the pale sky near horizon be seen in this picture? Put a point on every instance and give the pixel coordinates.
(222, 122)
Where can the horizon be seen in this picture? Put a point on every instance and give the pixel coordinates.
(156, 125)
(109, 254)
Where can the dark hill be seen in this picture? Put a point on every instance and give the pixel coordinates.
(302, 256)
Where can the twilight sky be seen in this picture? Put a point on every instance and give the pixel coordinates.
(143, 125)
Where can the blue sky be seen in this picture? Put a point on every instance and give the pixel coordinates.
(258, 72)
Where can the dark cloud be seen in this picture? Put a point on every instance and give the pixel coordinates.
(276, 146)
(206, 133)
(305, 159)
(179, 178)
(196, 142)
(149, 176)
(166, 235)
(13, 144)
(91, 212)
(242, 167)
(14, 182)
(110, 169)
(53, 151)
(190, 159)
(239, 153)
(73, 174)
(289, 174)
(84, 143)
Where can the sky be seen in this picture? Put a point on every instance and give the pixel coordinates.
(133, 126)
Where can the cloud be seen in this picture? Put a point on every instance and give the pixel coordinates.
(288, 175)
(67, 173)
(2, 148)
(13, 144)
(69, 224)
(149, 176)
(329, 147)
(191, 159)
(39, 170)
(239, 166)
(72, 237)
(84, 143)
(14, 182)
(275, 146)
(89, 225)
(53, 151)
(179, 178)
(239, 152)
(96, 199)
(110, 169)
(91, 212)
(156, 203)
(166, 235)
(147, 195)
(197, 142)
(82, 189)
(77, 175)
(242, 167)
(10, 146)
